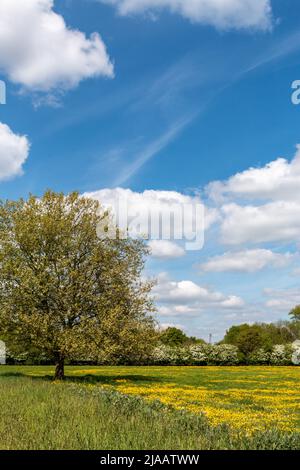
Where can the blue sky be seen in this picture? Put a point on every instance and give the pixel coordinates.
(183, 98)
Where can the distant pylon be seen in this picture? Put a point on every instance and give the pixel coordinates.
(210, 338)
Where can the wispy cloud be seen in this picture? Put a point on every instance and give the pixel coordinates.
(279, 50)
(167, 102)
(171, 85)
(152, 149)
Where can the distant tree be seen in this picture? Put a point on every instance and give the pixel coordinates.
(194, 340)
(66, 292)
(231, 335)
(173, 337)
(260, 336)
(294, 327)
(295, 313)
(249, 341)
(247, 338)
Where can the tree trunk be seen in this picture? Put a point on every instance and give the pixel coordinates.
(60, 369)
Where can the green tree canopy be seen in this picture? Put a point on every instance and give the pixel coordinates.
(249, 338)
(173, 337)
(66, 292)
(295, 313)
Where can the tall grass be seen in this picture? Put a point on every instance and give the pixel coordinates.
(38, 414)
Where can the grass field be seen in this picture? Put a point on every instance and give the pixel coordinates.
(180, 408)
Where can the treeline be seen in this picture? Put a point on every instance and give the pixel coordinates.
(264, 343)
(258, 344)
(224, 355)
(261, 343)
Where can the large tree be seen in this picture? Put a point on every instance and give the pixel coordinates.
(66, 291)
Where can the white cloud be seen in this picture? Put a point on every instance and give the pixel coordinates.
(232, 302)
(14, 150)
(146, 199)
(176, 310)
(295, 272)
(192, 296)
(282, 300)
(260, 204)
(246, 261)
(151, 149)
(223, 14)
(188, 302)
(165, 326)
(39, 52)
(278, 180)
(164, 249)
(159, 207)
(185, 291)
(276, 221)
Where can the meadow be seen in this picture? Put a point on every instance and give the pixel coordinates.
(150, 408)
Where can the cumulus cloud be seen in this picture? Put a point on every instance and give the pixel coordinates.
(14, 150)
(172, 215)
(222, 14)
(178, 295)
(165, 326)
(164, 249)
(260, 204)
(39, 52)
(276, 221)
(282, 300)
(278, 180)
(176, 310)
(184, 291)
(232, 302)
(246, 261)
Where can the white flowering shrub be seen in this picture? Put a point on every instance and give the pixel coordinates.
(199, 354)
(259, 357)
(166, 355)
(183, 356)
(224, 354)
(281, 355)
(196, 354)
(296, 353)
(162, 355)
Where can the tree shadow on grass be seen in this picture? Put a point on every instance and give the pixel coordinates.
(12, 374)
(111, 379)
(87, 378)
